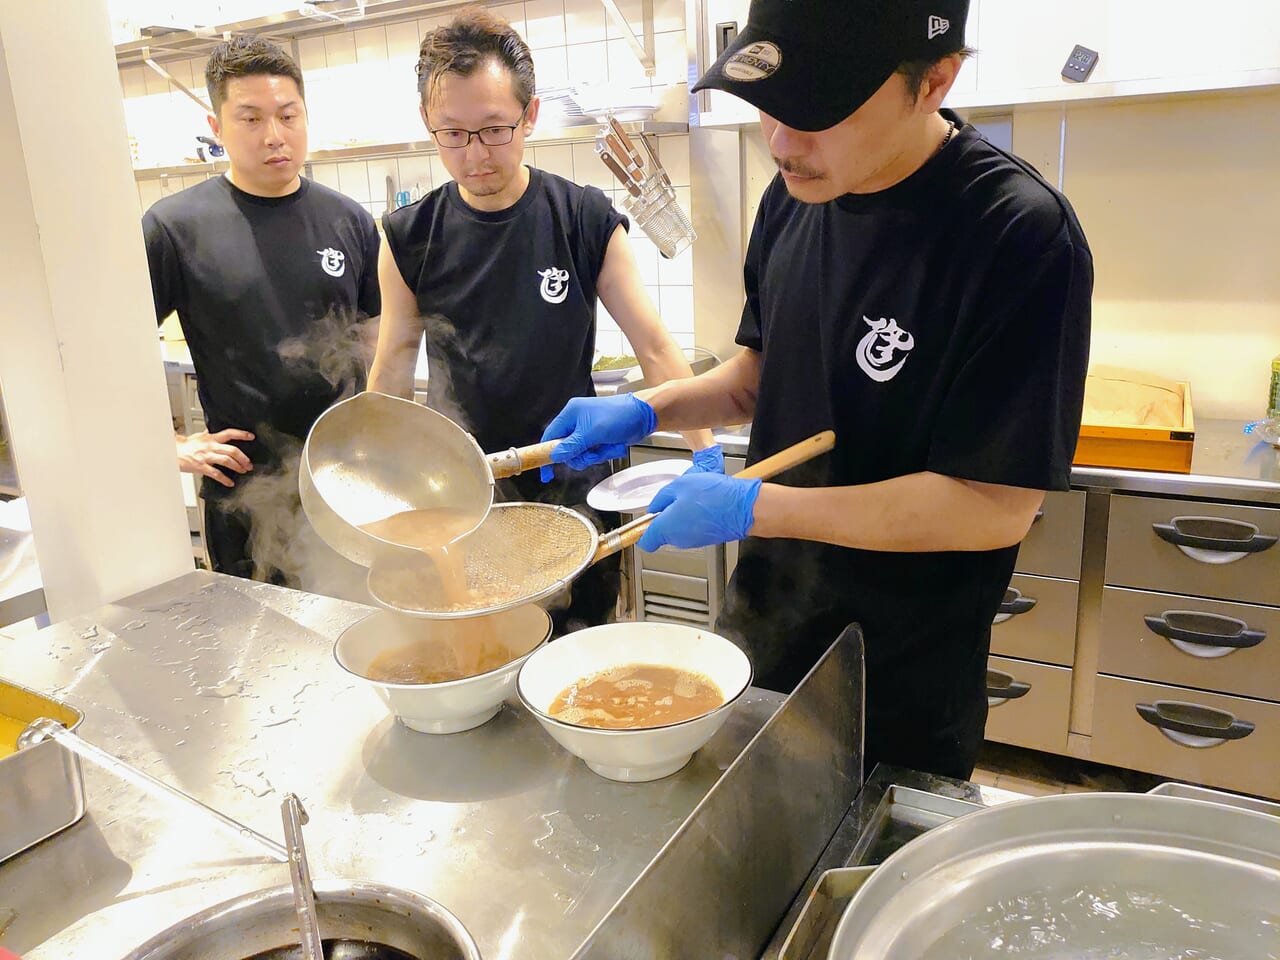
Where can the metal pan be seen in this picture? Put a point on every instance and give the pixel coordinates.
(374, 455)
(526, 552)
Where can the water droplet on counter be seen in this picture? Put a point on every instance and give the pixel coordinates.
(102, 646)
(254, 781)
(227, 688)
(134, 625)
(90, 633)
(7, 917)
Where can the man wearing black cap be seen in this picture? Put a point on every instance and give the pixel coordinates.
(924, 294)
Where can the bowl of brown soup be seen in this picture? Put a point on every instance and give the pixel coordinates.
(442, 676)
(634, 701)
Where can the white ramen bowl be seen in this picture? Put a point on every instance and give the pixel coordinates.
(452, 705)
(647, 753)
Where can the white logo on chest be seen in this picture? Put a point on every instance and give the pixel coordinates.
(885, 343)
(555, 284)
(333, 262)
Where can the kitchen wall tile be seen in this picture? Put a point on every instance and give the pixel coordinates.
(340, 49)
(170, 185)
(588, 62)
(149, 191)
(415, 175)
(673, 152)
(604, 319)
(439, 175)
(633, 12)
(588, 170)
(377, 208)
(197, 65)
(180, 70)
(625, 69)
(678, 271)
(671, 58)
(155, 84)
(513, 13)
(402, 40)
(379, 171)
(676, 306)
(585, 21)
(311, 55)
(551, 68)
(544, 24)
(668, 15)
(554, 158)
(684, 340)
(353, 180)
(371, 45)
(327, 174)
(609, 342)
(132, 81)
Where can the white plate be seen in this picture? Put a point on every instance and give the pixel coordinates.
(630, 490)
(617, 375)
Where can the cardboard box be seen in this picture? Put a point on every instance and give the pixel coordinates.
(1137, 421)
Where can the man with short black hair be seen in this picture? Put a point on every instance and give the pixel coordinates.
(501, 270)
(271, 276)
(925, 295)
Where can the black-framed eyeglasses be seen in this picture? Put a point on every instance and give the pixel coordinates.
(496, 135)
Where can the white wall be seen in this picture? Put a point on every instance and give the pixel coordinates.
(1179, 199)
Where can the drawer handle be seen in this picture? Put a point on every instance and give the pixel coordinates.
(1193, 725)
(1015, 603)
(1001, 688)
(1039, 515)
(1219, 634)
(1229, 539)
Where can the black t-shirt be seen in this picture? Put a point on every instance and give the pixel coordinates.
(270, 292)
(510, 302)
(939, 325)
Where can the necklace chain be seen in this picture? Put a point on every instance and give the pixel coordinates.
(951, 129)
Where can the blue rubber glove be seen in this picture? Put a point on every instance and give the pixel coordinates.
(596, 429)
(700, 509)
(708, 460)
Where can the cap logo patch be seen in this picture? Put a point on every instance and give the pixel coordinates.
(938, 26)
(755, 62)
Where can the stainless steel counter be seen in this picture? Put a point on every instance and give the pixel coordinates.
(227, 689)
(1226, 464)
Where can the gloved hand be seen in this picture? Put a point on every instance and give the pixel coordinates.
(596, 429)
(708, 460)
(700, 509)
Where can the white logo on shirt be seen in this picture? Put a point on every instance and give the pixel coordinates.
(938, 26)
(882, 344)
(333, 262)
(555, 284)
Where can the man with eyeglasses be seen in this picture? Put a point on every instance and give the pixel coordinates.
(501, 270)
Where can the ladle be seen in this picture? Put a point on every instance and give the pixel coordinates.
(304, 899)
(45, 729)
(373, 455)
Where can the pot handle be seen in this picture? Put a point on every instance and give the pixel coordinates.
(1235, 633)
(822, 908)
(516, 460)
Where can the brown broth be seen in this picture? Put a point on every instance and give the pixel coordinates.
(471, 646)
(636, 695)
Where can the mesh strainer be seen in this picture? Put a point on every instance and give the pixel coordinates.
(525, 552)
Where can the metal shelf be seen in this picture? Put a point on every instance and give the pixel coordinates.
(372, 151)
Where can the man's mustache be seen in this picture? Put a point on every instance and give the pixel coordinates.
(796, 169)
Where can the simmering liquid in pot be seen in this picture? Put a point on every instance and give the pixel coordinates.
(636, 695)
(338, 949)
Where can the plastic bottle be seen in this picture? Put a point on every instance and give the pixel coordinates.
(1273, 402)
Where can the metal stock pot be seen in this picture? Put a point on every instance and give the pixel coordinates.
(1085, 876)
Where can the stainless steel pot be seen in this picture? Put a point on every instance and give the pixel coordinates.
(1080, 875)
(350, 909)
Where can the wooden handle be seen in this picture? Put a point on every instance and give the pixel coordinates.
(619, 174)
(626, 142)
(508, 463)
(623, 156)
(792, 456)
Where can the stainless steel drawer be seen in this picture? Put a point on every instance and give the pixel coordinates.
(1028, 704)
(1052, 546)
(1195, 548)
(1231, 648)
(1037, 620)
(1206, 738)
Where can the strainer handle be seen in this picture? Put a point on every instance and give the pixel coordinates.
(792, 456)
(516, 460)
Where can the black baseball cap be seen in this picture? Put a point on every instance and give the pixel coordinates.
(811, 63)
